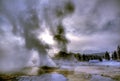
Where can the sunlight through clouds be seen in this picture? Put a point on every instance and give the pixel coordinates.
(46, 37)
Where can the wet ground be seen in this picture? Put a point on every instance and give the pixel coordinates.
(83, 72)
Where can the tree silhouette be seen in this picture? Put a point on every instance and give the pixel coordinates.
(78, 56)
(83, 57)
(107, 56)
(114, 55)
(118, 52)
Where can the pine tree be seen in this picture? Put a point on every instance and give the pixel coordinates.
(83, 57)
(114, 55)
(118, 52)
(107, 56)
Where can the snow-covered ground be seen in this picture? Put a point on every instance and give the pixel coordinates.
(109, 63)
(44, 77)
(80, 71)
(95, 62)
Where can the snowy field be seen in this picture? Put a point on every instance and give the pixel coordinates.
(90, 71)
(109, 63)
(76, 71)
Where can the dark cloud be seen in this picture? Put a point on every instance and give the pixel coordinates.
(98, 21)
(92, 17)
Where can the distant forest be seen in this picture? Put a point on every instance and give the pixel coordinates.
(86, 57)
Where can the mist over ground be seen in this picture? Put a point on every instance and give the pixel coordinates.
(81, 26)
(22, 23)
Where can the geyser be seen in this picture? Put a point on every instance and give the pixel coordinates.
(21, 25)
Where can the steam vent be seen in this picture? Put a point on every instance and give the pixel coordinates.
(59, 40)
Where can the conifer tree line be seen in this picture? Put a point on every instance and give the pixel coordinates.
(116, 54)
(86, 57)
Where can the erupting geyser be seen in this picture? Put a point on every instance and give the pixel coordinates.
(20, 26)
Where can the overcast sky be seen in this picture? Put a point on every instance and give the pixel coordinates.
(92, 27)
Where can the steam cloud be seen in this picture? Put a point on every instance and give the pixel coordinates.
(21, 24)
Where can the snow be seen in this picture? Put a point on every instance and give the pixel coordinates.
(100, 78)
(44, 77)
(94, 61)
(109, 63)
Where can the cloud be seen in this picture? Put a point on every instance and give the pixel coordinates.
(23, 19)
(94, 17)
(93, 25)
(99, 42)
(96, 25)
